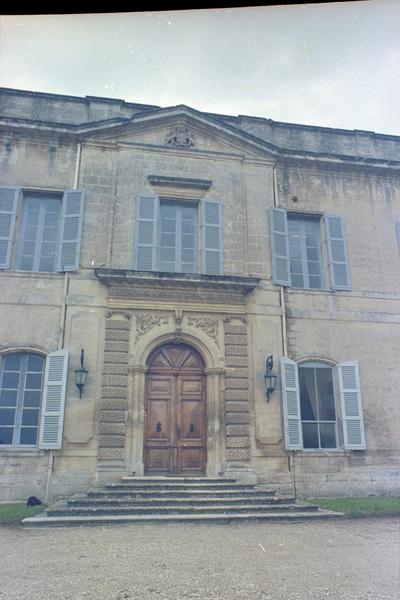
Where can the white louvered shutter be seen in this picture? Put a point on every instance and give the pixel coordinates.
(212, 239)
(146, 233)
(337, 252)
(52, 417)
(350, 398)
(291, 404)
(8, 211)
(71, 230)
(279, 246)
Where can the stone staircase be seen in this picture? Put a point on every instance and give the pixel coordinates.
(152, 500)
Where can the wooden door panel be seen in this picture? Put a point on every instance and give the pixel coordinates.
(175, 412)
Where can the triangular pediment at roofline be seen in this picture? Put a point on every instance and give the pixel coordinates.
(182, 128)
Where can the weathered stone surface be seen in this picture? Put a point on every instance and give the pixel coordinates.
(116, 346)
(237, 407)
(237, 372)
(112, 428)
(232, 383)
(117, 324)
(111, 453)
(116, 357)
(117, 334)
(235, 329)
(111, 441)
(236, 395)
(112, 416)
(236, 361)
(114, 404)
(238, 454)
(242, 429)
(236, 340)
(114, 380)
(238, 442)
(232, 350)
(237, 417)
(114, 392)
(115, 369)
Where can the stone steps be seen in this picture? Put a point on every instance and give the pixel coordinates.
(175, 500)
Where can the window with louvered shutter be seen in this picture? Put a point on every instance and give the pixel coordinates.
(71, 230)
(146, 233)
(352, 413)
(52, 419)
(8, 210)
(212, 238)
(291, 404)
(279, 246)
(337, 252)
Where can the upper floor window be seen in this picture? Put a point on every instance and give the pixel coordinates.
(310, 405)
(32, 399)
(40, 231)
(297, 257)
(178, 236)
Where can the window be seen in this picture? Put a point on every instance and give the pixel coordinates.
(32, 399)
(297, 258)
(317, 406)
(305, 252)
(310, 405)
(40, 231)
(178, 236)
(39, 235)
(21, 380)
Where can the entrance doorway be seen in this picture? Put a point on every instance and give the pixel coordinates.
(175, 421)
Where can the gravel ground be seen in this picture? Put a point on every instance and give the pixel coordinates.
(336, 560)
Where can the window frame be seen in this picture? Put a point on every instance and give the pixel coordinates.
(315, 364)
(180, 204)
(20, 405)
(304, 218)
(22, 224)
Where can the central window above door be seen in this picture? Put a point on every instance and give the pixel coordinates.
(179, 236)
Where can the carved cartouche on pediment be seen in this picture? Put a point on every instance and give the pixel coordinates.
(180, 137)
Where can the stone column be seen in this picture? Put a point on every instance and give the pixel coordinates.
(215, 420)
(113, 407)
(237, 406)
(136, 420)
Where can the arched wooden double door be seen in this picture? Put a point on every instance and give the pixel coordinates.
(175, 422)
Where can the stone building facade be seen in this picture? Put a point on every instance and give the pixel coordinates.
(180, 249)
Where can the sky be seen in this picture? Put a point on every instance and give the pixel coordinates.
(331, 64)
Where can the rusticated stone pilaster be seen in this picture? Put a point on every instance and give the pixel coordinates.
(113, 408)
(237, 408)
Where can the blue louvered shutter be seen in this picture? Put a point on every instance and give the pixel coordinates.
(352, 413)
(53, 404)
(279, 246)
(337, 252)
(212, 238)
(71, 230)
(291, 404)
(146, 233)
(8, 211)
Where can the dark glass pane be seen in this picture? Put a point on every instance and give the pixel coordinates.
(168, 239)
(297, 281)
(328, 435)
(294, 225)
(188, 213)
(10, 380)
(28, 248)
(314, 268)
(313, 254)
(315, 282)
(32, 218)
(51, 219)
(168, 225)
(35, 363)
(46, 264)
(33, 381)
(30, 233)
(326, 399)
(30, 417)
(32, 398)
(28, 436)
(12, 362)
(48, 249)
(188, 226)
(6, 435)
(26, 263)
(187, 241)
(7, 416)
(310, 435)
(32, 203)
(296, 266)
(168, 210)
(8, 397)
(308, 400)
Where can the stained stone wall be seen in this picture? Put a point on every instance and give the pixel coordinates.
(237, 406)
(114, 389)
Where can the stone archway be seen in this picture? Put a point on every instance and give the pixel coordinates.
(175, 412)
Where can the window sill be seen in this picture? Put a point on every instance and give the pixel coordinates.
(11, 451)
(33, 274)
(318, 452)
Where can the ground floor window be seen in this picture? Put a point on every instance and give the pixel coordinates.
(21, 381)
(317, 406)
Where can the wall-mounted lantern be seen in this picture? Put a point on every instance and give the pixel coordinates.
(80, 375)
(270, 378)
